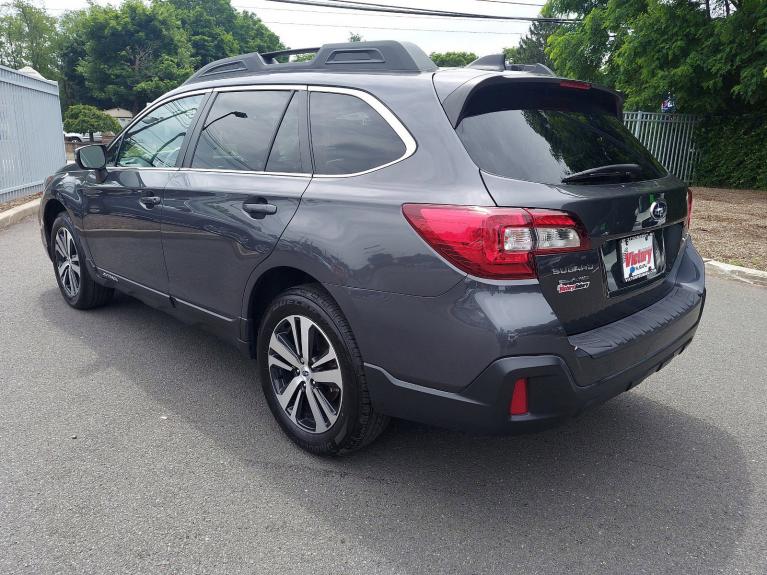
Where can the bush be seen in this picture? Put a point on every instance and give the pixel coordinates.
(733, 151)
(88, 119)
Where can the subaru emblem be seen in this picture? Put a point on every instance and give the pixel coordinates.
(658, 210)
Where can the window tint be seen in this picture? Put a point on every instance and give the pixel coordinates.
(285, 155)
(155, 140)
(544, 134)
(239, 130)
(348, 136)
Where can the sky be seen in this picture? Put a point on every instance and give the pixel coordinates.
(300, 26)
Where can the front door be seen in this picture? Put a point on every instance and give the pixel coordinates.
(123, 213)
(226, 208)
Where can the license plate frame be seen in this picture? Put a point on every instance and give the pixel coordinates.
(637, 255)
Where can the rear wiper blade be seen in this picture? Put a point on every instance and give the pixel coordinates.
(622, 171)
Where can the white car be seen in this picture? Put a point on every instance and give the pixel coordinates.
(77, 137)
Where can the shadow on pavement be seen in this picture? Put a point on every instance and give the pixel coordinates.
(633, 486)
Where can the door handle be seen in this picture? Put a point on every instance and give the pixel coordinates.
(261, 208)
(149, 201)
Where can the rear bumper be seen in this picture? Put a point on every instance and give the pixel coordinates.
(606, 361)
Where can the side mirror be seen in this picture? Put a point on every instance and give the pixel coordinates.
(91, 157)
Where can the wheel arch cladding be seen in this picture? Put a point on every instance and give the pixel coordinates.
(268, 286)
(52, 209)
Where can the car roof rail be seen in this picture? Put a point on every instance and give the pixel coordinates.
(380, 56)
(497, 62)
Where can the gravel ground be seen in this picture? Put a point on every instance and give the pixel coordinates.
(18, 201)
(730, 226)
(130, 443)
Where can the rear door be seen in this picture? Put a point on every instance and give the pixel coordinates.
(240, 185)
(123, 213)
(548, 144)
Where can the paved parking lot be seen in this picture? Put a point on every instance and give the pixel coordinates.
(130, 443)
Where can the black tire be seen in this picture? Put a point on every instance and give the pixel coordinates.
(89, 294)
(357, 423)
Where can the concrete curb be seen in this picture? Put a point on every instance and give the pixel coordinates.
(10, 217)
(748, 275)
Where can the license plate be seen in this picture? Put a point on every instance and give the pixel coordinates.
(638, 256)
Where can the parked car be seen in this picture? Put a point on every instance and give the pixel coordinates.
(78, 137)
(482, 248)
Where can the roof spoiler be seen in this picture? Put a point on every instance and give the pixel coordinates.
(382, 56)
(497, 63)
(456, 101)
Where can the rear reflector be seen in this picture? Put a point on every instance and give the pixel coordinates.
(688, 221)
(518, 404)
(495, 243)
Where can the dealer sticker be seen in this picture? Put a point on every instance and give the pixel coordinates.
(638, 256)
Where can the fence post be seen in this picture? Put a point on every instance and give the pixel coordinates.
(637, 128)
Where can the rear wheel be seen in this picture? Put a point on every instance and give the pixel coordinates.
(75, 281)
(312, 374)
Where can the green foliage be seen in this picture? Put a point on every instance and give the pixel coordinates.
(452, 59)
(86, 119)
(128, 55)
(732, 151)
(711, 60)
(354, 37)
(28, 37)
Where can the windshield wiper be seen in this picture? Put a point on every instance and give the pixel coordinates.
(610, 172)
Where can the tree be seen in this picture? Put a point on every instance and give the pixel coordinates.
(452, 59)
(532, 46)
(28, 37)
(86, 119)
(131, 54)
(710, 56)
(216, 30)
(354, 37)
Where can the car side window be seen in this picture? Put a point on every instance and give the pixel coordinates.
(349, 136)
(285, 155)
(241, 128)
(155, 140)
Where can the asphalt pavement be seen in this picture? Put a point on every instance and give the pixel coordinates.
(131, 443)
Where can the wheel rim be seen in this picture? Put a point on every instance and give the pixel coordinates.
(67, 262)
(305, 374)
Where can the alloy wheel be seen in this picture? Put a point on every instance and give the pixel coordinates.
(305, 374)
(67, 262)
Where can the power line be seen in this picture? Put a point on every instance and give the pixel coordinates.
(512, 3)
(305, 10)
(388, 8)
(355, 27)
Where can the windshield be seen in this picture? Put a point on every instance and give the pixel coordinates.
(544, 134)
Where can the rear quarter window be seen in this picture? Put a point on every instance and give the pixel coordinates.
(349, 136)
(544, 133)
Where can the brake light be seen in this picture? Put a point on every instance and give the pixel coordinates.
(688, 220)
(495, 243)
(576, 84)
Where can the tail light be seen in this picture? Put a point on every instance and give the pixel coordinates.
(688, 221)
(495, 243)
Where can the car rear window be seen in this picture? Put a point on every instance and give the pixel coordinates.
(544, 133)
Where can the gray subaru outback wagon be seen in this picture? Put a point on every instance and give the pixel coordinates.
(486, 248)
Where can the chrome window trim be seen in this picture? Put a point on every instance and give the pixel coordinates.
(262, 87)
(248, 172)
(402, 132)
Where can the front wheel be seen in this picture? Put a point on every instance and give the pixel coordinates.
(312, 374)
(75, 281)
